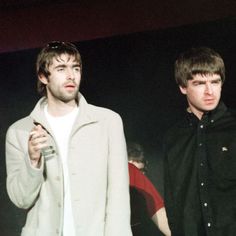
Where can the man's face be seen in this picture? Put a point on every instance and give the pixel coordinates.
(203, 93)
(63, 82)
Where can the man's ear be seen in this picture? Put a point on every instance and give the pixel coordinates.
(182, 89)
(43, 79)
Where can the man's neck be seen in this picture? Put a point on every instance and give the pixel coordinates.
(197, 113)
(60, 108)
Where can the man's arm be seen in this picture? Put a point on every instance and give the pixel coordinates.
(23, 180)
(160, 220)
(117, 221)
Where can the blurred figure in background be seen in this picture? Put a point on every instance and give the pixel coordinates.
(146, 202)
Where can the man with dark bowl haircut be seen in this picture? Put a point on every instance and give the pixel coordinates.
(200, 151)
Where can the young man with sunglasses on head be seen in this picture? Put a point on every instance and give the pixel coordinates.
(66, 161)
(200, 151)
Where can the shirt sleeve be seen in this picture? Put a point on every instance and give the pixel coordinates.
(152, 197)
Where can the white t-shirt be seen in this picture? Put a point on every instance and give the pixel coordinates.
(61, 127)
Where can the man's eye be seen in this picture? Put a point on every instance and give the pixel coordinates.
(77, 69)
(216, 82)
(198, 83)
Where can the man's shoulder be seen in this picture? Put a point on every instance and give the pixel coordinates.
(95, 111)
(23, 123)
(102, 112)
(176, 130)
(232, 111)
(177, 126)
(133, 168)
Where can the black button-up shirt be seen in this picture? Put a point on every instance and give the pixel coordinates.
(200, 174)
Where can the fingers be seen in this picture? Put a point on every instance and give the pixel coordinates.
(37, 141)
(37, 132)
(36, 137)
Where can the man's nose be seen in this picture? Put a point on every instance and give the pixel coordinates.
(209, 88)
(70, 74)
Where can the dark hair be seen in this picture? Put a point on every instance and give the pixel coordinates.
(195, 61)
(52, 50)
(136, 153)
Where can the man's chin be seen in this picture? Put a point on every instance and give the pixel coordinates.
(69, 98)
(210, 107)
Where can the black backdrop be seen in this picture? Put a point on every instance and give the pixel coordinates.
(131, 74)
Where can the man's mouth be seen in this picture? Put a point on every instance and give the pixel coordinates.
(209, 100)
(70, 86)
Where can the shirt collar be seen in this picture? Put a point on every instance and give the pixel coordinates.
(210, 116)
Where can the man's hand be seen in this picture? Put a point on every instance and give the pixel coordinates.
(37, 141)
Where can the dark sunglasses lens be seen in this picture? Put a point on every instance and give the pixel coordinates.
(54, 44)
(60, 45)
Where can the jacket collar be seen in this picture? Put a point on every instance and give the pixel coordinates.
(85, 116)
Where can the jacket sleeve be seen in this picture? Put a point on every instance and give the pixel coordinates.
(117, 220)
(23, 181)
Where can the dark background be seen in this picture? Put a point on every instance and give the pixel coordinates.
(130, 73)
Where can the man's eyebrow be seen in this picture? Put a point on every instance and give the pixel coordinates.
(60, 65)
(198, 80)
(76, 64)
(63, 64)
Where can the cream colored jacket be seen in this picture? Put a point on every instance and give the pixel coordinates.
(98, 174)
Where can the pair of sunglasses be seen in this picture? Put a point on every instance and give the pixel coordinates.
(60, 45)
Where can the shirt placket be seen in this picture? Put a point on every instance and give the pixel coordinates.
(203, 174)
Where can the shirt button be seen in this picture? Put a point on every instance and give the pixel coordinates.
(201, 164)
(59, 204)
(58, 178)
(202, 184)
(200, 144)
(201, 126)
(57, 231)
(208, 224)
(205, 204)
